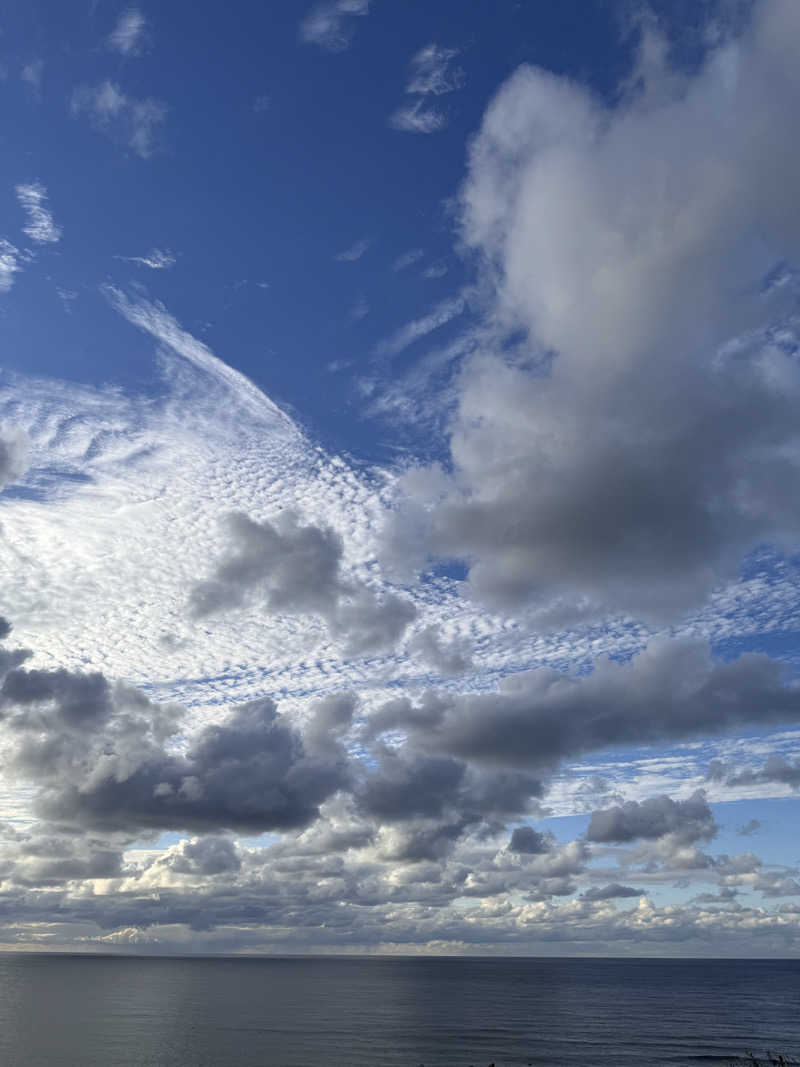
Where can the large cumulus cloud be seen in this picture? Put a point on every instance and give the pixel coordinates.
(105, 756)
(642, 436)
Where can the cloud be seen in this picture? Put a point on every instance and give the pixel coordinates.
(330, 26)
(135, 123)
(99, 756)
(296, 569)
(354, 252)
(14, 453)
(32, 76)
(447, 657)
(431, 74)
(627, 432)
(436, 270)
(775, 769)
(532, 842)
(9, 264)
(537, 718)
(129, 36)
(418, 117)
(686, 821)
(408, 259)
(156, 259)
(615, 891)
(432, 71)
(41, 227)
(752, 826)
(391, 843)
(413, 331)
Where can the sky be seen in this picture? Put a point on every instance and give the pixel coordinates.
(400, 467)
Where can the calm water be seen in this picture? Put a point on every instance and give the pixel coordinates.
(115, 1011)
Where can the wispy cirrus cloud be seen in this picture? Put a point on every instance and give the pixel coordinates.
(32, 76)
(330, 25)
(41, 226)
(156, 259)
(129, 36)
(418, 328)
(432, 74)
(408, 259)
(9, 264)
(132, 122)
(354, 252)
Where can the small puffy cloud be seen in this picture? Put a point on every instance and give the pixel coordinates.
(684, 820)
(532, 842)
(354, 252)
(41, 226)
(205, 856)
(775, 769)
(752, 826)
(129, 36)
(614, 891)
(132, 122)
(329, 25)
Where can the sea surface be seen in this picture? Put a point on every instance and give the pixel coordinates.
(114, 1011)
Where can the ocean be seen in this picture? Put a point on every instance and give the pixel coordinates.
(114, 1011)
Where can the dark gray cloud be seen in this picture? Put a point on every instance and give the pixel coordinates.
(446, 657)
(673, 689)
(10, 658)
(752, 826)
(14, 450)
(775, 769)
(526, 839)
(614, 891)
(297, 569)
(248, 773)
(205, 856)
(686, 821)
(105, 756)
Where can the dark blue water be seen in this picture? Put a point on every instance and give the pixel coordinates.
(115, 1011)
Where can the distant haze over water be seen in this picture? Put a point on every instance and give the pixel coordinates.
(391, 1012)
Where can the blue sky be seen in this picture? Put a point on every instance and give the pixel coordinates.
(401, 399)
